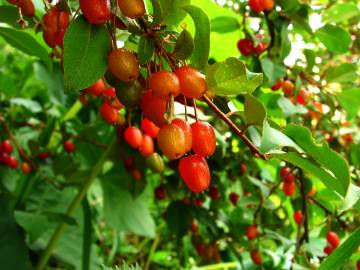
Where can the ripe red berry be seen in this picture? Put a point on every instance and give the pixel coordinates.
(243, 168)
(333, 239)
(27, 7)
(160, 193)
(69, 146)
(129, 163)
(132, 8)
(256, 5)
(123, 64)
(268, 5)
(12, 162)
(358, 265)
(97, 88)
(290, 178)
(95, 11)
(302, 97)
(147, 146)
(4, 157)
(171, 141)
(256, 257)
(110, 96)
(185, 127)
(214, 193)
(109, 113)
(195, 172)
(328, 249)
(201, 249)
(276, 86)
(251, 232)
(194, 226)
(192, 82)
(234, 198)
(298, 216)
(198, 202)
(50, 38)
(260, 48)
(133, 137)
(50, 19)
(164, 84)
(204, 140)
(153, 108)
(246, 47)
(289, 188)
(284, 172)
(136, 174)
(25, 168)
(44, 155)
(6, 147)
(288, 88)
(149, 128)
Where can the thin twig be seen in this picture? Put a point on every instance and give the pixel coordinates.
(234, 127)
(304, 195)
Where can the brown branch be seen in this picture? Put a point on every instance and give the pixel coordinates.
(234, 127)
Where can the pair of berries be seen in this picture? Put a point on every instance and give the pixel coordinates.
(261, 5)
(99, 11)
(55, 23)
(137, 140)
(7, 159)
(247, 48)
(288, 178)
(333, 242)
(287, 86)
(27, 7)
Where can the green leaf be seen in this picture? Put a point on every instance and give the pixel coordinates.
(25, 43)
(157, 12)
(341, 74)
(273, 140)
(31, 105)
(255, 111)
(122, 210)
(310, 59)
(351, 198)
(85, 45)
(231, 78)
(201, 52)
(272, 71)
(146, 50)
(288, 108)
(342, 253)
(350, 101)
(334, 38)
(328, 159)
(178, 218)
(285, 43)
(224, 24)
(184, 46)
(123, 267)
(13, 250)
(340, 12)
(172, 10)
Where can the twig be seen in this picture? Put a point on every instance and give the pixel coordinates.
(304, 195)
(235, 128)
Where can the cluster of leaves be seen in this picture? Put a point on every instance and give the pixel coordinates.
(122, 219)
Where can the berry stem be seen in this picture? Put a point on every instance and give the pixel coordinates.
(235, 128)
(304, 195)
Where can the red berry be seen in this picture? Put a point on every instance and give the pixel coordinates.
(110, 96)
(251, 232)
(276, 86)
(204, 141)
(132, 8)
(171, 141)
(4, 157)
(234, 197)
(147, 146)
(164, 84)
(187, 132)
(153, 108)
(124, 65)
(194, 226)
(12, 162)
(97, 88)
(284, 172)
(95, 11)
(6, 147)
(289, 188)
(50, 19)
(136, 175)
(333, 239)
(298, 216)
(290, 178)
(243, 168)
(288, 88)
(268, 5)
(44, 155)
(160, 193)
(69, 146)
(198, 202)
(149, 128)
(192, 82)
(214, 193)
(129, 163)
(256, 5)
(302, 97)
(133, 137)
(27, 7)
(358, 265)
(260, 48)
(328, 249)
(246, 47)
(195, 172)
(201, 250)
(50, 38)
(109, 113)
(256, 257)
(25, 167)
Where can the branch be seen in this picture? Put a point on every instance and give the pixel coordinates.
(234, 127)
(304, 196)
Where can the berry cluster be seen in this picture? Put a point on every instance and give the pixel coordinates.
(246, 47)
(6, 149)
(333, 242)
